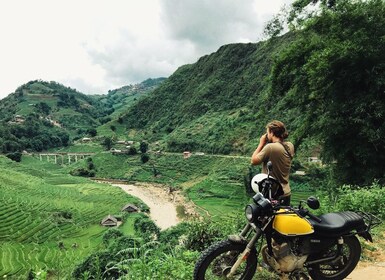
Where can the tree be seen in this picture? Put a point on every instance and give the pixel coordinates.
(43, 107)
(333, 70)
(92, 132)
(107, 143)
(143, 147)
(16, 156)
(144, 158)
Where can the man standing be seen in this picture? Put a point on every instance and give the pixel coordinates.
(272, 147)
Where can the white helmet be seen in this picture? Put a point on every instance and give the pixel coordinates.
(256, 180)
(273, 192)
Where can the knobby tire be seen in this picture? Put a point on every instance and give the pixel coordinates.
(222, 256)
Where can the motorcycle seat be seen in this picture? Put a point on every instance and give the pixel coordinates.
(338, 223)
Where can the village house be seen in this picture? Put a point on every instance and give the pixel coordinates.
(109, 221)
(86, 139)
(130, 208)
(186, 154)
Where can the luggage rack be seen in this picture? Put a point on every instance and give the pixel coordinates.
(370, 220)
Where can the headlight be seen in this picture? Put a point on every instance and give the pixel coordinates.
(250, 211)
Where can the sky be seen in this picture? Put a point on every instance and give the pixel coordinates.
(98, 45)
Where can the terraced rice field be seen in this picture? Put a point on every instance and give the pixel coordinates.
(50, 226)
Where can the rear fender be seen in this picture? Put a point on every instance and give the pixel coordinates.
(366, 235)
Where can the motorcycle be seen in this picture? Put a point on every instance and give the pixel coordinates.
(293, 242)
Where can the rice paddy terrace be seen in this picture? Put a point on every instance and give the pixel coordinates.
(50, 220)
(50, 223)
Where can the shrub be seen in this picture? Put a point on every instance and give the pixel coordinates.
(111, 235)
(366, 199)
(16, 156)
(144, 158)
(146, 228)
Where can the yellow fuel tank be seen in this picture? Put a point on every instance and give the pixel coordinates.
(289, 223)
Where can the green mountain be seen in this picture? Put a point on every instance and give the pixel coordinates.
(214, 105)
(40, 115)
(324, 80)
(62, 106)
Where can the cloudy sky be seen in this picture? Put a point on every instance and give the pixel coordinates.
(98, 45)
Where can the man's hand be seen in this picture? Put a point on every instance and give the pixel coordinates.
(263, 140)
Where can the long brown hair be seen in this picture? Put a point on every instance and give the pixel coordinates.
(278, 129)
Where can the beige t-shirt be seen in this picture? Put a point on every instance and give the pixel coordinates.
(276, 153)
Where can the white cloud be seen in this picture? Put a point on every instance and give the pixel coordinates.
(97, 45)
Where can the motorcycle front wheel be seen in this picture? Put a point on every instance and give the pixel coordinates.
(217, 260)
(340, 268)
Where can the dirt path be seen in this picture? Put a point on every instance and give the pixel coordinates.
(162, 204)
(369, 271)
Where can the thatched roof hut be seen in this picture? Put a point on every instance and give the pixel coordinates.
(130, 208)
(109, 221)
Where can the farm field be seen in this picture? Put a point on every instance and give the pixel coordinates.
(49, 220)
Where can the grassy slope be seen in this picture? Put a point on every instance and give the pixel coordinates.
(33, 194)
(213, 183)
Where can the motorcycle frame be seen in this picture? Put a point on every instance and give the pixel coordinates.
(266, 230)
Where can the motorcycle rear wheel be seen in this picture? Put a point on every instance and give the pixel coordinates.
(217, 260)
(338, 270)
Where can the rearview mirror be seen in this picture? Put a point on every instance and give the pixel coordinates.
(313, 202)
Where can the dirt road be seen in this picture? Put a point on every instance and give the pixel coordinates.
(369, 271)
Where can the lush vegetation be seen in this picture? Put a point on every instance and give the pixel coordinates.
(333, 73)
(324, 79)
(41, 115)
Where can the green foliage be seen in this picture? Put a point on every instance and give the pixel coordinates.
(367, 199)
(107, 143)
(32, 134)
(111, 235)
(59, 109)
(92, 132)
(143, 147)
(209, 106)
(16, 156)
(331, 73)
(144, 158)
(94, 265)
(178, 266)
(202, 234)
(146, 228)
(175, 235)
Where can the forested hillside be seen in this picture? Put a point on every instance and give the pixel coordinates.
(215, 105)
(324, 79)
(40, 115)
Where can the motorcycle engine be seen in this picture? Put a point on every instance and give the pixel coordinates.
(284, 258)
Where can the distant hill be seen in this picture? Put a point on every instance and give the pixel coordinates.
(40, 115)
(121, 98)
(62, 106)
